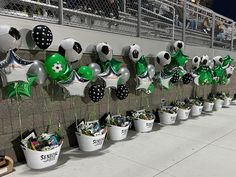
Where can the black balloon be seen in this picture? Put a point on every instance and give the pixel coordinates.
(42, 36)
(122, 91)
(96, 92)
(187, 78)
(175, 78)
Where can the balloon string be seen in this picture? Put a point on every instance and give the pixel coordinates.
(73, 107)
(93, 114)
(147, 103)
(118, 107)
(19, 110)
(108, 100)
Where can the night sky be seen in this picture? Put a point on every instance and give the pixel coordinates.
(226, 8)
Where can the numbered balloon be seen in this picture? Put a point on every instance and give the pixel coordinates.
(10, 38)
(42, 35)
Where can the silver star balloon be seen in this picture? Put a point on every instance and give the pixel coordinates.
(14, 68)
(144, 82)
(164, 80)
(75, 85)
(110, 77)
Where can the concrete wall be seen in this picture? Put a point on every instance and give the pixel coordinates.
(32, 110)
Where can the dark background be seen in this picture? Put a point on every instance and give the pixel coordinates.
(225, 7)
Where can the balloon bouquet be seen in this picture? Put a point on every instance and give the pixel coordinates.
(144, 72)
(111, 71)
(16, 73)
(202, 70)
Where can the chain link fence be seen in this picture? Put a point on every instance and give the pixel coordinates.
(155, 19)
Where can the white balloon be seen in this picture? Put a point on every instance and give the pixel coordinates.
(96, 68)
(125, 74)
(104, 51)
(151, 71)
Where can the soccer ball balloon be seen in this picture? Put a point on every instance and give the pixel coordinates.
(104, 51)
(70, 49)
(205, 60)
(218, 60)
(135, 52)
(178, 45)
(163, 58)
(196, 62)
(10, 38)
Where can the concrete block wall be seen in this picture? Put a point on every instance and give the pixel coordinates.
(61, 109)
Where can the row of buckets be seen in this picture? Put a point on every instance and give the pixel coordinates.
(44, 159)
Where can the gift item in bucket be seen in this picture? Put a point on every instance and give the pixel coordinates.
(183, 109)
(143, 120)
(6, 165)
(90, 135)
(118, 126)
(197, 106)
(167, 114)
(227, 99)
(209, 103)
(42, 151)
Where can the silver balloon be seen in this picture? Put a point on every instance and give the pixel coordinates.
(38, 69)
(151, 71)
(125, 74)
(96, 68)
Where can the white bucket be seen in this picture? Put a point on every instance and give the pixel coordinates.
(227, 102)
(183, 114)
(208, 106)
(167, 118)
(41, 159)
(218, 104)
(196, 110)
(117, 133)
(142, 125)
(90, 143)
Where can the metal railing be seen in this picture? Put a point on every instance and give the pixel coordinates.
(155, 19)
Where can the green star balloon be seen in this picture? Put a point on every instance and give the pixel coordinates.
(227, 61)
(179, 59)
(224, 80)
(141, 66)
(218, 71)
(85, 72)
(21, 88)
(115, 65)
(150, 89)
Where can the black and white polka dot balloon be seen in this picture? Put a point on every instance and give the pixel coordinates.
(175, 77)
(187, 78)
(122, 92)
(96, 92)
(42, 36)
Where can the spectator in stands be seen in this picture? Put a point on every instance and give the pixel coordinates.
(206, 26)
(110, 8)
(165, 11)
(179, 11)
(220, 31)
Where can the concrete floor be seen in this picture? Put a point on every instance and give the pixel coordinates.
(199, 147)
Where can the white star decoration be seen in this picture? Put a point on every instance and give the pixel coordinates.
(75, 85)
(196, 79)
(144, 82)
(110, 77)
(164, 81)
(14, 68)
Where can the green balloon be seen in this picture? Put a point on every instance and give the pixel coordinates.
(85, 72)
(179, 59)
(227, 61)
(21, 88)
(56, 67)
(150, 89)
(141, 66)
